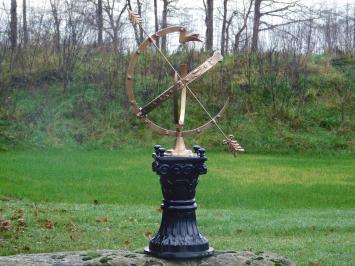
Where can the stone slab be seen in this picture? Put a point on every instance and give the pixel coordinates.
(128, 258)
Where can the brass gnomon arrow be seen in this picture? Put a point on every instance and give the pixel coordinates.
(181, 81)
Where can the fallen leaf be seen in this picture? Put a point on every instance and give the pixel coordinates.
(16, 216)
(21, 222)
(126, 243)
(5, 225)
(148, 234)
(103, 220)
(19, 210)
(48, 225)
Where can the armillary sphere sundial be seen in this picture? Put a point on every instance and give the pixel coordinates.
(179, 168)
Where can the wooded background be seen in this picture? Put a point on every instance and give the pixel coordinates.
(288, 67)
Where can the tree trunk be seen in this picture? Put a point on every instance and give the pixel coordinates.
(237, 41)
(226, 48)
(24, 23)
(13, 24)
(164, 23)
(99, 20)
(256, 26)
(57, 35)
(136, 34)
(209, 26)
(156, 19)
(141, 36)
(309, 37)
(54, 9)
(115, 42)
(224, 22)
(347, 30)
(327, 33)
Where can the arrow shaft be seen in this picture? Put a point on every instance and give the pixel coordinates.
(183, 73)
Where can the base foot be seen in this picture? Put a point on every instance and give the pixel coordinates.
(180, 255)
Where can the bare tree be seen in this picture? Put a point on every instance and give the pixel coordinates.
(347, 29)
(327, 32)
(332, 32)
(139, 7)
(243, 25)
(228, 24)
(256, 25)
(164, 23)
(284, 10)
(24, 23)
(4, 46)
(57, 20)
(13, 24)
(114, 15)
(100, 23)
(167, 8)
(74, 33)
(156, 20)
(209, 24)
(136, 34)
(309, 37)
(224, 26)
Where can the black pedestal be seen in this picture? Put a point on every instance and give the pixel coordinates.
(178, 236)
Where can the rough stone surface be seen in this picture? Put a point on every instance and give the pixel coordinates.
(127, 258)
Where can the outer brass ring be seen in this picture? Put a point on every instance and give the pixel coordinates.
(132, 99)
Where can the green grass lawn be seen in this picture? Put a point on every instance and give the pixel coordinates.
(301, 206)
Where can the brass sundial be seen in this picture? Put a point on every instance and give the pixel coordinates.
(180, 85)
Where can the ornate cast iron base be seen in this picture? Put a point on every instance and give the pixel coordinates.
(178, 236)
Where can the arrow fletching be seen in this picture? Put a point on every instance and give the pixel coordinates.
(134, 18)
(233, 145)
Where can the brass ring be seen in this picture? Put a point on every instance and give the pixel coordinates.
(132, 100)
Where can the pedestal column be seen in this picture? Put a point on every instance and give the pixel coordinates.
(178, 236)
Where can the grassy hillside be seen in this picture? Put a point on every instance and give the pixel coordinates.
(279, 102)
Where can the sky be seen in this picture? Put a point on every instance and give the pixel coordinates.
(190, 9)
(199, 3)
